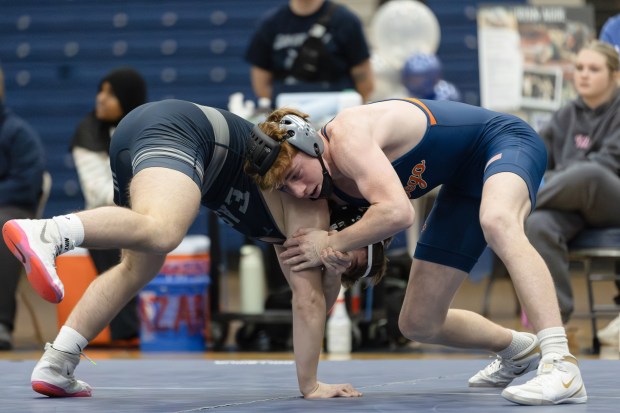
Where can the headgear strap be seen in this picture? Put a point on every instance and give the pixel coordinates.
(262, 150)
(369, 261)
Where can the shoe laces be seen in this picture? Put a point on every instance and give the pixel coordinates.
(497, 365)
(546, 369)
(494, 367)
(81, 353)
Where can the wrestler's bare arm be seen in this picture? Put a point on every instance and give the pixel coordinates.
(358, 156)
(309, 307)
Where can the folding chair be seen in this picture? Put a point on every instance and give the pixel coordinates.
(597, 244)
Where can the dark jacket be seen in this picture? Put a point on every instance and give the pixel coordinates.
(22, 162)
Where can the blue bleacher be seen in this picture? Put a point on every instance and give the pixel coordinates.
(55, 53)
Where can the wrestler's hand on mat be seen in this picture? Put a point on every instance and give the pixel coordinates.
(335, 262)
(326, 391)
(303, 249)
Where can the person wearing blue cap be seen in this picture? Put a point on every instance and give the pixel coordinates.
(422, 76)
(610, 32)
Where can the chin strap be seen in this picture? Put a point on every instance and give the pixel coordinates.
(328, 184)
(368, 262)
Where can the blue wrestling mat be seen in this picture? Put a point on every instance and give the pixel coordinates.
(145, 385)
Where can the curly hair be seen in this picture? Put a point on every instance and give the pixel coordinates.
(274, 178)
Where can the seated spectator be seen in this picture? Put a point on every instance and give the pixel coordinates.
(22, 162)
(581, 186)
(119, 92)
(610, 33)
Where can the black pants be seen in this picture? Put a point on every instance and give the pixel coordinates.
(10, 268)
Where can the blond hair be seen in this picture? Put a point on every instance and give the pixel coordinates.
(612, 59)
(274, 178)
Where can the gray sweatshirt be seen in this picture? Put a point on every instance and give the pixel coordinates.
(577, 133)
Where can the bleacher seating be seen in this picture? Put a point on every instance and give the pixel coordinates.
(55, 53)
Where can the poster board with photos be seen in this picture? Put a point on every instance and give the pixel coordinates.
(526, 55)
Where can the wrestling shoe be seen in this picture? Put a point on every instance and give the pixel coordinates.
(53, 375)
(558, 381)
(36, 243)
(503, 371)
(610, 335)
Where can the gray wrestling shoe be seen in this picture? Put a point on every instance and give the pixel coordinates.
(501, 372)
(53, 375)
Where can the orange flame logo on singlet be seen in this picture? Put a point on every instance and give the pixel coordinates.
(415, 179)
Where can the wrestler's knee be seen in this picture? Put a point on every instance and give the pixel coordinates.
(496, 225)
(421, 329)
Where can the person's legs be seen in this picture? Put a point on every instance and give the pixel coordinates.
(588, 193)
(549, 231)
(9, 278)
(54, 373)
(426, 315)
(152, 215)
(152, 225)
(505, 205)
(585, 188)
(164, 203)
(126, 324)
(449, 246)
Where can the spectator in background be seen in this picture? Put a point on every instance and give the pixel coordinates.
(582, 184)
(610, 33)
(22, 162)
(422, 76)
(119, 92)
(306, 46)
(309, 46)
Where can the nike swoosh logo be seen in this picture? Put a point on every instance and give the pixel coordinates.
(43, 233)
(567, 385)
(518, 373)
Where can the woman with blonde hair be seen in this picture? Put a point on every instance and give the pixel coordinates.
(582, 184)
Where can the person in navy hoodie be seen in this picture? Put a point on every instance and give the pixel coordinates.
(22, 162)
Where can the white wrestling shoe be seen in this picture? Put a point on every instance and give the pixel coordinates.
(53, 375)
(558, 381)
(501, 372)
(610, 335)
(36, 243)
